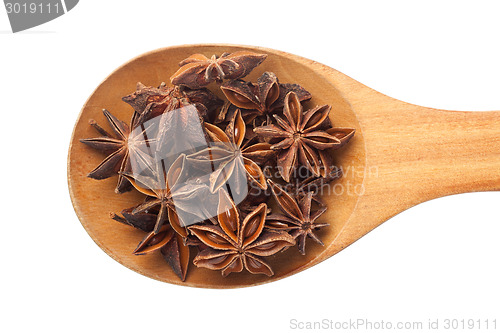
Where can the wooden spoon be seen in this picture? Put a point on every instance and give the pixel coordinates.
(401, 155)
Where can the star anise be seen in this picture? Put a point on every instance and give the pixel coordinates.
(198, 71)
(175, 198)
(231, 156)
(167, 241)
(257, 99)
(299, 220)
(301, 136)
(145, 95)
(151, 102)
(235, 244)
(119, 149)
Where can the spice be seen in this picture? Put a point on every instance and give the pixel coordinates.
(211, 169)
(299, 220)
(169, 193)
(231, 156)
(118, 148)
(235, 244)
(150, 102)
(198, 71)
(301, 136)
(260, 98)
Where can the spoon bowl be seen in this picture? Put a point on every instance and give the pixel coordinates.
(401, 155)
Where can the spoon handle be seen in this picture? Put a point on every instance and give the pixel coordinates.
(415, 154)
(427, 153)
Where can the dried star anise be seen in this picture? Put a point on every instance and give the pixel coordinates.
(151, 102)
(260, 98)
(231, 156)
(207, 166)
(235, 244)
(170, 193)
(301, 136)
(166, 241)
(119, 149)
(144, 95)
(298, 218)
(198, 71)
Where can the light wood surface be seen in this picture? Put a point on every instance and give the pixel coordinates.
(401, 155)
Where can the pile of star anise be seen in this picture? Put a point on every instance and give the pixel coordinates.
(260, 133)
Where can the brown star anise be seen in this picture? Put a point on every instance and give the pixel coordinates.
(298, 218)
(170, 193)
(198, 71)
(260, 98)
(167, 241)
(119, 149)
(235, 244)
(232, 156)
(301, 135)
(151, 102)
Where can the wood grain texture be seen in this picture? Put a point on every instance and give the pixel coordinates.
(401, 155)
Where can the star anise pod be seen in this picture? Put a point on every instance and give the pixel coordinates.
(257, 99)
(170, 192)
(235, 244)
(145, 95)
(119, 149)
(299, 220)
(301, 136)
(167, 241)
(231, 156)
(151, 102)
(198, 71)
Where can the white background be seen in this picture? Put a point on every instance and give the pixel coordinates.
(437, 260)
